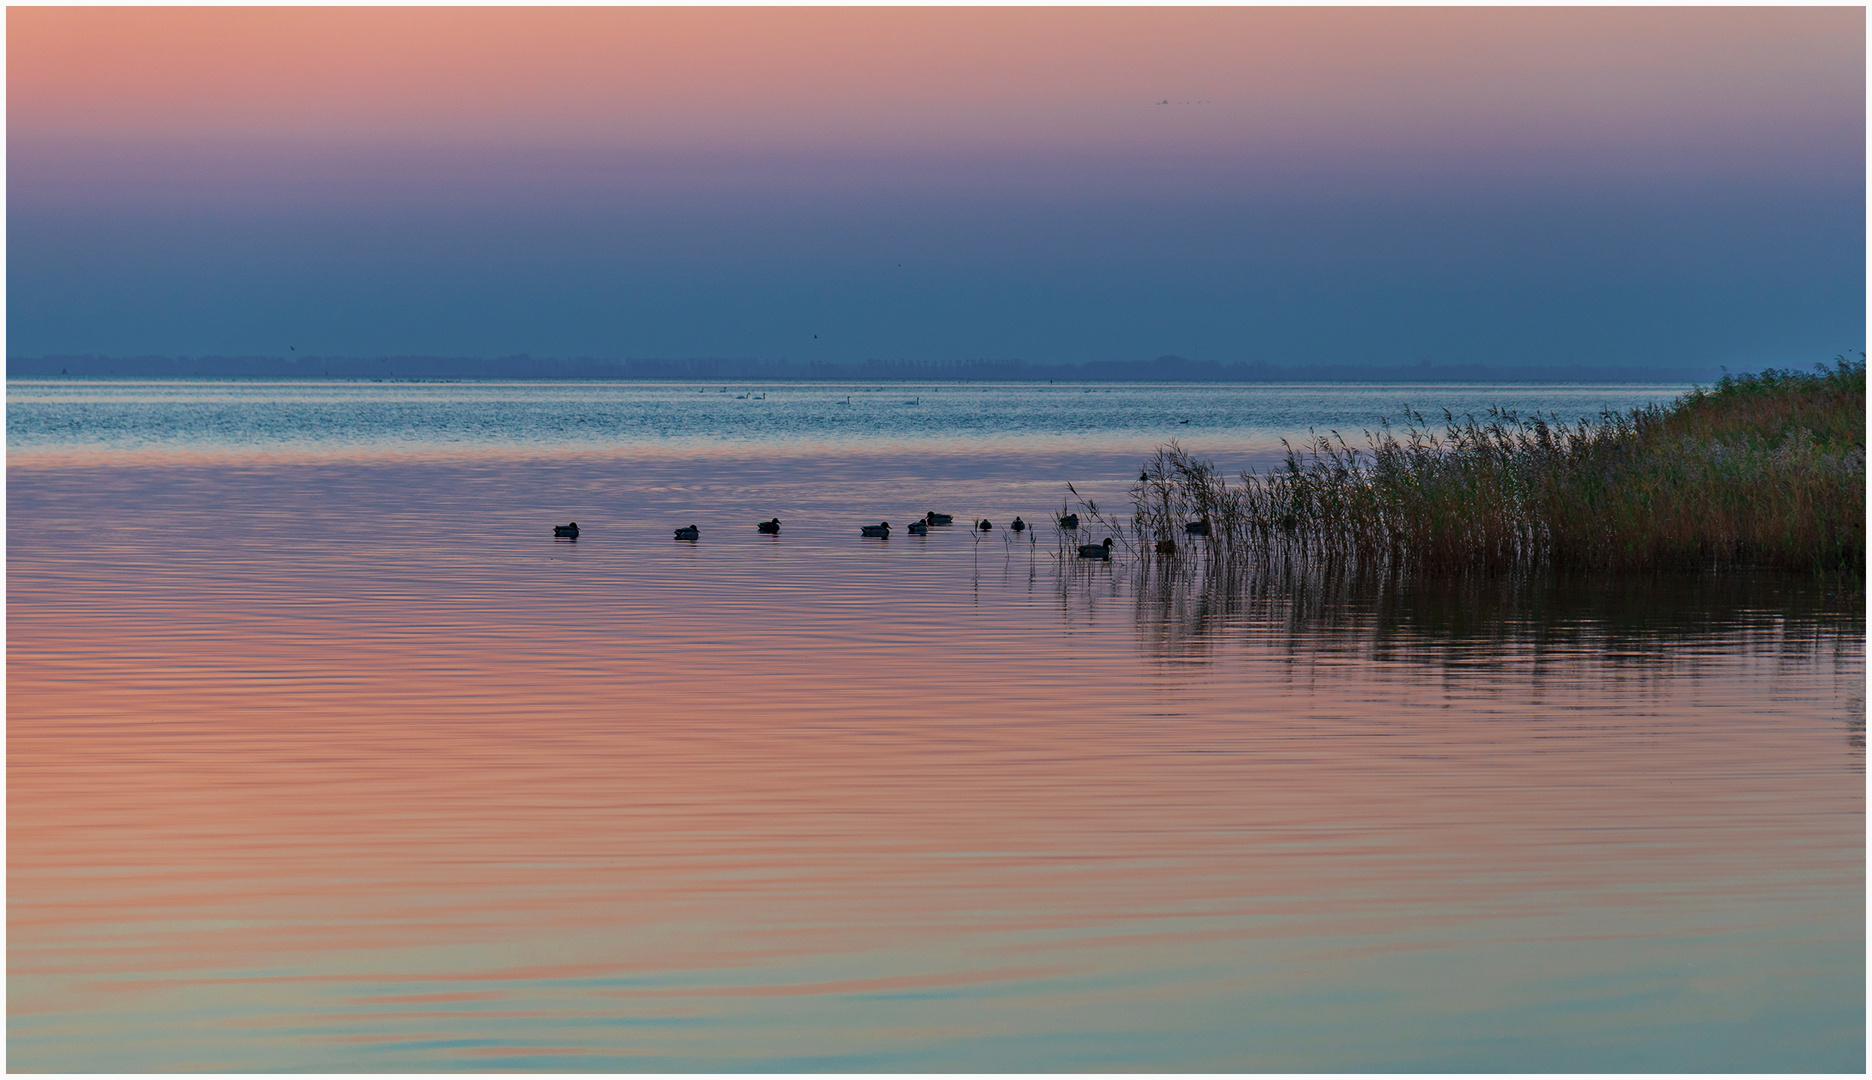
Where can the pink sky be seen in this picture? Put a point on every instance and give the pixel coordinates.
(931, 79)
(1657, 183)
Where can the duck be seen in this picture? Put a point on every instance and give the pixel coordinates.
(882, 528)
(1096, 551)
(772, 526)
(933, 518)
(984, 525)
(1069, 521)
(1197, 528)
(1019, 525)
(568, 531)
(919, 528)
(688, 532)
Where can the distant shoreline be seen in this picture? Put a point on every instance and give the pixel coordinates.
(1167, 369)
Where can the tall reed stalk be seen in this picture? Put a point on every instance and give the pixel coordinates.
(1760, 470)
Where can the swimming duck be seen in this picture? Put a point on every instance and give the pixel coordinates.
(772, 526)
(688, 532)
(568, 531)
(984, 525)
(1069, 521)
(1019, 525)
(882, 528)
(919, 528)
(1096, 551)
(1197, 528)
(933, 518)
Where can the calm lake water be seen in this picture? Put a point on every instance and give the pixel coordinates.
(324, 755)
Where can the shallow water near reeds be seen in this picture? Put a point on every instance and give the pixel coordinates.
(324, 755)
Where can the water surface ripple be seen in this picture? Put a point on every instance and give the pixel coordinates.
(338, 761)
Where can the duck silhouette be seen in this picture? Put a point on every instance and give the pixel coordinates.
(882, 528)
(1019, 525)
(919, 528)
(933, 518)
(1096, 551)
(771, 527)
(984, 525)
(688, 532)
(1069, 521)
(570, 532)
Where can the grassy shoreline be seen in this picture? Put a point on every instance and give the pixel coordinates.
(1760, 470)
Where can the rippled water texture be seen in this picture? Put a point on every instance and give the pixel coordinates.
(323, 754)
(247, 417)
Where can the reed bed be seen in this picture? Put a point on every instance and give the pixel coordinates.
(1759, 470)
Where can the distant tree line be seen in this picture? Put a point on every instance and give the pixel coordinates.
(1162, 369)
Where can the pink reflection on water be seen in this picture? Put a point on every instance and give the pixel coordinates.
(280, 790)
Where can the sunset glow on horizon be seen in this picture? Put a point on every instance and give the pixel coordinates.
(895, 540)
(1503, 185)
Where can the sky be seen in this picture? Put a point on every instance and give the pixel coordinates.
(1600, 186)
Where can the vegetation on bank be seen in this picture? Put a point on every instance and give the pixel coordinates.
(1760, 470)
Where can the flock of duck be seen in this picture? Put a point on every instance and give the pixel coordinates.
(919, 527)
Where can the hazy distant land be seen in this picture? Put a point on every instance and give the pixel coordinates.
(523, 366)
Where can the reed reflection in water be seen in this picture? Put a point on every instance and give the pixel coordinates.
(348, 766)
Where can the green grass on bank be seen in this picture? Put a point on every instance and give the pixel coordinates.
(1760, 470)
